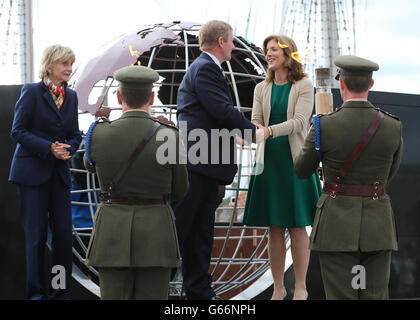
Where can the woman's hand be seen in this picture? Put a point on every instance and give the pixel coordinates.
(59, 150)
(266, 131)
(259, 133)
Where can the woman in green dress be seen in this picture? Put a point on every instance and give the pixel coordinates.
(283, 105)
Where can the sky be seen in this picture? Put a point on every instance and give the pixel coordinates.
(387, 32)
(393, 41)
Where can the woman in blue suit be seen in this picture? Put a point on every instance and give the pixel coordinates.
(46, 130)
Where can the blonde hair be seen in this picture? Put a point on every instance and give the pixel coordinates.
(211, 31)
(51, 56)
(295, 69)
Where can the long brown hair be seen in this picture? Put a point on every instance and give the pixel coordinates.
(295, 69)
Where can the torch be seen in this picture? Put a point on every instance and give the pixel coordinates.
(323, 96)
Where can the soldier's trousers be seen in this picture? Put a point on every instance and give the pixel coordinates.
(134, 283)
(346, 274)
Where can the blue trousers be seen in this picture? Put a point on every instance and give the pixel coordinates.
(42, 206)
(195, 216)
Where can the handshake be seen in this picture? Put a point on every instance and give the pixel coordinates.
(262, 133)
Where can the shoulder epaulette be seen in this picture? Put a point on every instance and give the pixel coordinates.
(388, 114)
(326, 114)
(331, 113)
(313, 118)
(334, 111)
(102, 120)
(165, 122)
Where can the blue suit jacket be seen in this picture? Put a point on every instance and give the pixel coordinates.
(204, 101)
(37, 124)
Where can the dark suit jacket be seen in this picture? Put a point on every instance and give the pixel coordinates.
(37, 124)
(204, 102)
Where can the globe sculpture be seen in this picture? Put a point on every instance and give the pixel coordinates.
(239, 263)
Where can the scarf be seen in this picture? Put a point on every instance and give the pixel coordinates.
(58, 93)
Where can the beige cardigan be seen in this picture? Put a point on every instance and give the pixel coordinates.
(299, 111)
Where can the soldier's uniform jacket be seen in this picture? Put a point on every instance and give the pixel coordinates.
(349, 223)
(134, 235)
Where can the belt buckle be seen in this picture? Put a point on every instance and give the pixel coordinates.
(375, 195)
(333, 193)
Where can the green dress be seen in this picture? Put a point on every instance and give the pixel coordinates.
(277, 197)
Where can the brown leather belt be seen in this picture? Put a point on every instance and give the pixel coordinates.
(374, 191)
(134, 201)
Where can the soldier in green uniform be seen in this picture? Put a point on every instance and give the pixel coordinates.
(360, 147)
(134, 242)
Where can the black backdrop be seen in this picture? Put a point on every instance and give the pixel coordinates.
(404, 192)
(12, 245)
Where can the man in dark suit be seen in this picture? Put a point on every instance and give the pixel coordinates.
(205, 103)
(361, 149)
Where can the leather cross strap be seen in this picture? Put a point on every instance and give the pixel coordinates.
(356, 153)
(374, 190)
(133, 157)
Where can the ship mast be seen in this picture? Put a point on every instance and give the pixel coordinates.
(16, 55)
(27, 70)
(322, 29)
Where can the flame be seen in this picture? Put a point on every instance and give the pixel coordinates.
(138, 63)
(134, 53)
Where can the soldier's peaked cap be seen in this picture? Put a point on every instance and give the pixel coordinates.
(136, 77)
(355, 66)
